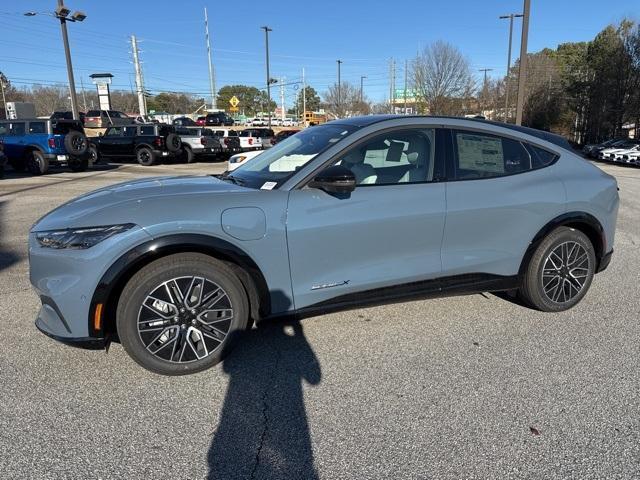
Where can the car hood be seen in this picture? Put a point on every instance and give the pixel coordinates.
(122, 200)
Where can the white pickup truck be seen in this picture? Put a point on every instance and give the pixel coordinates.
(249, 141)
(198, 142)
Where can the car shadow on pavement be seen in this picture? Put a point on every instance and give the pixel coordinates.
(7, 257)
(263, 430)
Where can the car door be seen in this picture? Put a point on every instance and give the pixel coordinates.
(500, 193)
(109, 141)
(386, 233)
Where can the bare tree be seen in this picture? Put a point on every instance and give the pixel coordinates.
(349, 103)
(442, 79)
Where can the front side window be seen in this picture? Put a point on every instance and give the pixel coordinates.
(481, 155)
(397, 157)
(113, 132)
(16, 129)
(277, 164)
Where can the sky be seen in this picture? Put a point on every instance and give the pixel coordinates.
(365, 35)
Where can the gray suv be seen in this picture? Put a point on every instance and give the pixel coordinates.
(354, 212)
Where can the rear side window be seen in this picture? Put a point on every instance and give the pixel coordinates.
(147, 130)
(130, 131)
(480, 155)
(540, 157)
(93, 113)
(36, 127)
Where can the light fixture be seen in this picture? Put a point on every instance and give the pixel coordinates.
(62, 12)
(78, 16)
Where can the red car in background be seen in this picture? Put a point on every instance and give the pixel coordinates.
(200, 121)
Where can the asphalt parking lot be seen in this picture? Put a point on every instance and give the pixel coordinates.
(460, 387)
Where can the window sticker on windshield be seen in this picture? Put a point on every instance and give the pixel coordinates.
(268, 185)
(480, 153)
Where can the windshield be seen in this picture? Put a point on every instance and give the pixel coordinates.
(276, 165)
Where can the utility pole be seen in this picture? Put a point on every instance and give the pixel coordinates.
(522, 74)
(484, 85)
(304, 100)
(406, 64)
(212, 75)
(84, 96)
(4, 100)
(67, 54)
(139, 83)
(339, 62)
(511, 16)
(362, 77)
(266, 45)
(392, 81)
(282, 79)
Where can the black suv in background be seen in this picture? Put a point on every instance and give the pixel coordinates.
(146, 143)
(218, 119)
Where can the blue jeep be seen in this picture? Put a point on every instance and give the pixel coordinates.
(35, 144)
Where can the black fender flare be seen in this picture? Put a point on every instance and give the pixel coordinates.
(582, 221)
(120, 271)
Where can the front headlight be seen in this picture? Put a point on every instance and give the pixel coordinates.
(239, 159)
(79, 238)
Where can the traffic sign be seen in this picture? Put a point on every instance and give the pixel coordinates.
(233, 101)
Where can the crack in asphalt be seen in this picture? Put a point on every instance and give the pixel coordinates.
(265, 413)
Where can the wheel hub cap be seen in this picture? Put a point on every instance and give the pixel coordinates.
(565, 272)
(185, 319)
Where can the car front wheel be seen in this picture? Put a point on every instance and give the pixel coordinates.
(181, 314)
(560, 271)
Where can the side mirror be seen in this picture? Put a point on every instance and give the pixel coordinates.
(100, 134)
(336, 179)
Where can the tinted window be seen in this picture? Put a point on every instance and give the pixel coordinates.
(113, 132)
(16, 128)
(93, 113)
(37, 127)
(540, 157)
(4, 128)
(233, 133)
(130, 131)
(401, 156)
(147, 130)
(480, 155)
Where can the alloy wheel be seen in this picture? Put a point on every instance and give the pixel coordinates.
(185, 319)
(565, 272)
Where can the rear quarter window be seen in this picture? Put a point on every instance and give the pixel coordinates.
(540, 157)
(37, 127)
(147, 130)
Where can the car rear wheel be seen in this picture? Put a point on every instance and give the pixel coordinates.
(94, 155)
(37, 164)
(173, 143)
(560, 271)
(182, 314)
(145, 156)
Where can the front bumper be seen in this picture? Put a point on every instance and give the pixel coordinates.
(66, 280)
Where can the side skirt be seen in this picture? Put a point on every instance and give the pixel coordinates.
(441, 287)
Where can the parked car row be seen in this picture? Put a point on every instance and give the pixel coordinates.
(264, 122)
(617, 150)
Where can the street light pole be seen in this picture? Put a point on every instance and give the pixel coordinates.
(522, 74)
(67, 54)
(339, 62)
(362, 77)
(511, 16)
(266, 44)
(4, 100)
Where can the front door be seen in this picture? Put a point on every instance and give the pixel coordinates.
(386, 233)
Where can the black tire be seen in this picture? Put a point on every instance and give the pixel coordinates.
(1, 171)
(173, 142)
(187, 155)
(76, 143)
(145, 156)
(94, 154)
(560, 271)
(78, 164)
(37, 164)
(18, 164)
(179, 329)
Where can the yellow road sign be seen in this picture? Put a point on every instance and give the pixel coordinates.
(233, 101)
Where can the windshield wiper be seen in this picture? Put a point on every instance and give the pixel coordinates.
(232, 179)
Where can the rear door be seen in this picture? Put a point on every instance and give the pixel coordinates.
(384, 235)
(500, 193)
(110, 141)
